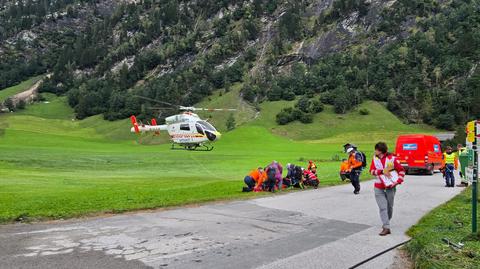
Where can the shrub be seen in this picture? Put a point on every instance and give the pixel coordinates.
(285, 116)
(364, 112)
(315, 106)
(8, 103)
(445, 121)
(327, 98)
(230, 122)
(21, 104)
(288, 95)
(306, 118)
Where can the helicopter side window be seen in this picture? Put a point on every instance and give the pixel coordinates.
(185, 127)
(199, 129)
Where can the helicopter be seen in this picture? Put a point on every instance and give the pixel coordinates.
(186, 130)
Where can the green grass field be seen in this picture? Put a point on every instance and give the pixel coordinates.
(452, 221)
(8, 92)
(55, 167)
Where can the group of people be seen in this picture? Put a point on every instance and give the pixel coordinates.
(270, 178)
(452, 163)
(384, 166)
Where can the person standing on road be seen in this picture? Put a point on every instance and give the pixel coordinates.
(355, 165)
(389, 173)
(451, 162)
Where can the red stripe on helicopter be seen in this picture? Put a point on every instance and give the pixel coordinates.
(187, 136)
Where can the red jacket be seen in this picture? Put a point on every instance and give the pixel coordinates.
(377, 172)
(309, 175)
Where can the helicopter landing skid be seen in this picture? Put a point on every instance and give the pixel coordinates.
(193, 147)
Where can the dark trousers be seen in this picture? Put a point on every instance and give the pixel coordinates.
(355, 179)
(250, 182)
(269, 184)
(449, 175)
(344, 176)
(287, 182)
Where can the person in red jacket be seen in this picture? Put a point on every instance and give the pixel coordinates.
(389, 173)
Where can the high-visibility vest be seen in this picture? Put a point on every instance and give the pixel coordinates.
(449, 158)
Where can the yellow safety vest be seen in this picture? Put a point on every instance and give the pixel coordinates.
(449, 158)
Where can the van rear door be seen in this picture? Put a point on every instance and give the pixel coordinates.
(435, 152)
(411, 151)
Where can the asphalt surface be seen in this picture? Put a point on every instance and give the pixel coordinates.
(324, 228)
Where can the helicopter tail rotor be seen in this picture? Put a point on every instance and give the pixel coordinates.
(135, 124)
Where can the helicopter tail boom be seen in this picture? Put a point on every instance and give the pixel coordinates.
(142, 128)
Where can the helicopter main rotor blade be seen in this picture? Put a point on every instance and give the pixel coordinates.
(161, 108)
(206, 109)
(156, 101)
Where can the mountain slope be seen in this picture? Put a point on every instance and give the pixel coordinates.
(420, 57)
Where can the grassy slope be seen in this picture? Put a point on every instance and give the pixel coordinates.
(453, 221)
(243, 114)
(55, 167)
(8, 92)
(379, 124)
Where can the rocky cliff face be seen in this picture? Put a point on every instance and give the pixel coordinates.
(48, 34)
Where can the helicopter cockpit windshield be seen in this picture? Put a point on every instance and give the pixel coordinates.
(208, 129)
(206, 126)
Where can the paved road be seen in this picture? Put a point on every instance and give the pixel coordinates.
(324, 228)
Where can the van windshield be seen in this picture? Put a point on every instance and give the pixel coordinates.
(410, 146)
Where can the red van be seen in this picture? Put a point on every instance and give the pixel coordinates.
(419, 153)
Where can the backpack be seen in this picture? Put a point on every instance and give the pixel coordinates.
(298, 172)
(360, 156)
(272, 172)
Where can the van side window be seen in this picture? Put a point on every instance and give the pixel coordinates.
(185, 127)
(436, 148)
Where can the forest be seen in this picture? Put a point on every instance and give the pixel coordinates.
(418, 57)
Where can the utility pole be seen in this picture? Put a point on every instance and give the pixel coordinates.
(475, 181)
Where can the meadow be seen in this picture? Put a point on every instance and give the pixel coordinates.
(53, 166)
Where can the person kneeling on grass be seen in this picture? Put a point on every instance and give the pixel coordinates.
(254, 179)
(389, 173)
(278, 174)
(287, 181)
(310, 179)
(270, 182)
(297, 177)
(344, 170)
